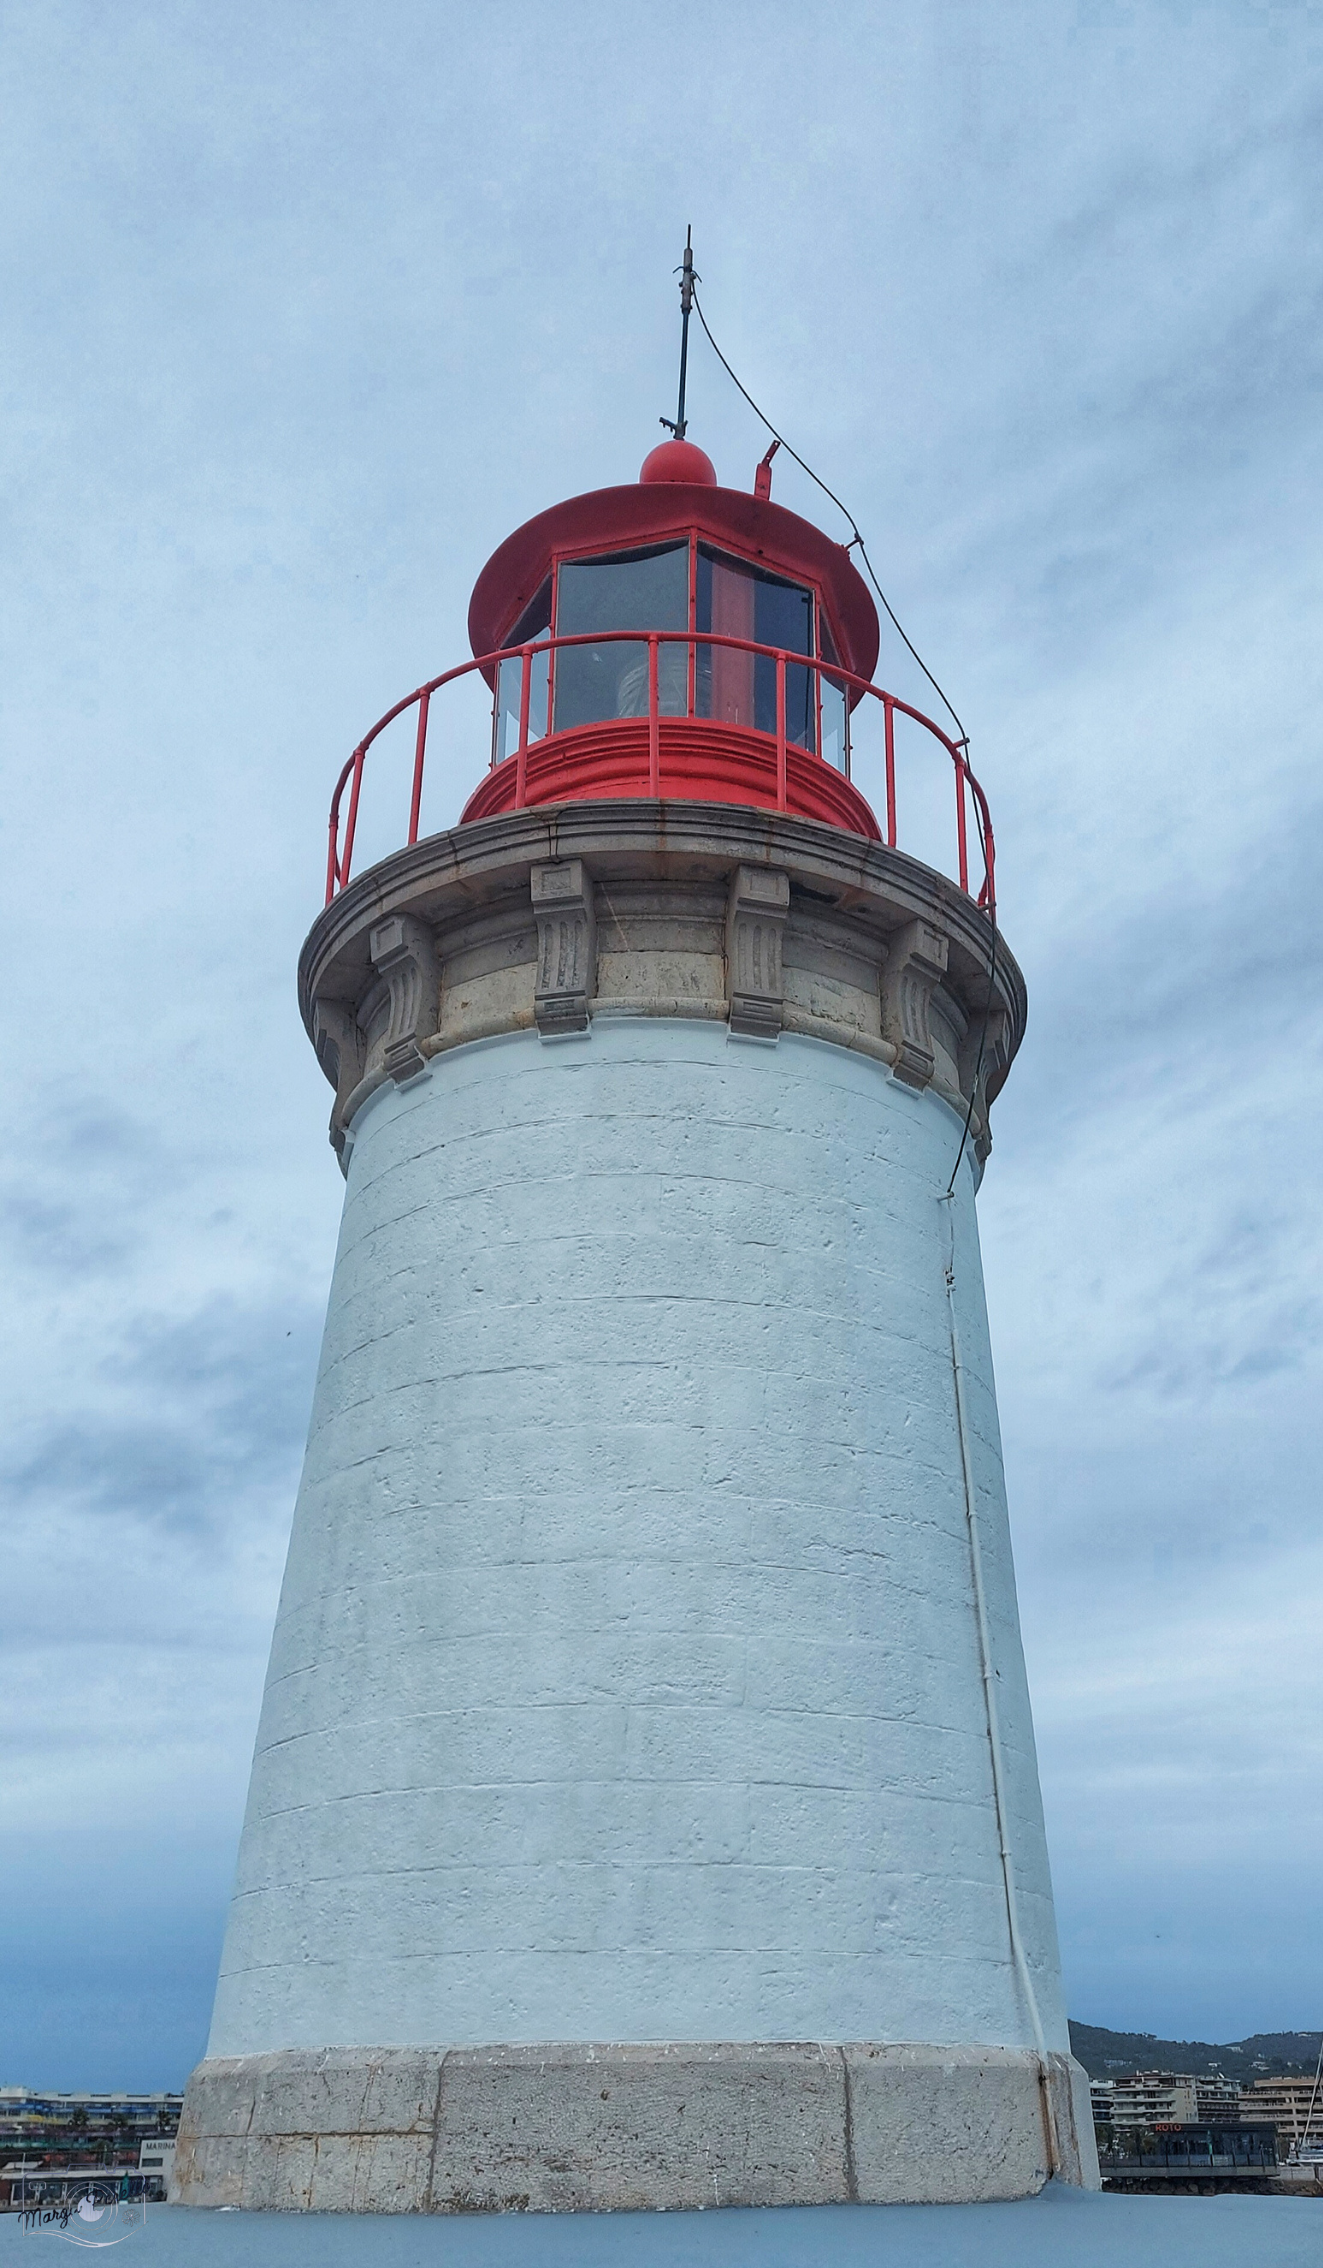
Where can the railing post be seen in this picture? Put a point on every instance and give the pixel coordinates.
(889, 708)
(654, 721)
(960, 823)
(352, 821)
(420, 747)
(691, 696)
(780, 732)
(987, 896)
(521, 761)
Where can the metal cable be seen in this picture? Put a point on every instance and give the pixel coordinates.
(857, 539)
(1019, 1956)
(843, 509)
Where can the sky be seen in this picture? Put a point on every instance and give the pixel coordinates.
(307, 307)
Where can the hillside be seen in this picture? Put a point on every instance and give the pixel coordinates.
(1110, 2055)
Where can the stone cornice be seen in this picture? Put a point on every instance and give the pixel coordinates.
(547, 918)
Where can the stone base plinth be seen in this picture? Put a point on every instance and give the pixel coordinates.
(620, 2128)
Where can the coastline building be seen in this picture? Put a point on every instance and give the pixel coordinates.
(1217, 2098)
(1294, 2106)
(61, 2143)
(1166, 2098)
(1146, 2099)
(36, 2112)
(645, 1810)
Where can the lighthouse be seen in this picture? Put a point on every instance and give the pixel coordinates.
(645, 1810)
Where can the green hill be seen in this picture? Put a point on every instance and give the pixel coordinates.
(1110, 2055)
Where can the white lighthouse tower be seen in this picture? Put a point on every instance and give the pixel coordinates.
(645, 1809)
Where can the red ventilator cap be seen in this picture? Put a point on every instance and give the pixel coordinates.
(679, 461)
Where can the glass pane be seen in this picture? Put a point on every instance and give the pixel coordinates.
(533, 623)
(630, 591)
(739, 601)
(509, 692)
(724, 677)
(833, 722)
(833, 706)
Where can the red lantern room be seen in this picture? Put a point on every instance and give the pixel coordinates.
(681, 641)
(674, 638)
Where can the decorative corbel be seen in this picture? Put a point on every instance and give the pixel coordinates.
(980, 1079)
(403, 951)
(566, 980)
(339, 1044)
(756, 911)
(916, 961)
(989, 1044)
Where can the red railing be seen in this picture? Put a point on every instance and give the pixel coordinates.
(842, 681)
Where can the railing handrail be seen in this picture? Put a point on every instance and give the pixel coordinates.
(338, 866)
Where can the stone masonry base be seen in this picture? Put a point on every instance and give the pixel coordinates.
(561, 2129)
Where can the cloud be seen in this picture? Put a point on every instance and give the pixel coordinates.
(292, 357)
(228, 1392)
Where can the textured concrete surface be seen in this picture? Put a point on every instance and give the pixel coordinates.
(612, 2129)
(1060, 2228)
(626, 1684)
(633, 1677)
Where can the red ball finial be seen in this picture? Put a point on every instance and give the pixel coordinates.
(679, 461)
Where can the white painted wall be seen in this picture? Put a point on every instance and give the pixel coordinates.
(626, 1683)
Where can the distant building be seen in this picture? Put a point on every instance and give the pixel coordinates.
(1286, 2104)
(1147, 2100)
(1214, 2158)
(119, 2108)
(27, 2113)
(27, 2185)
(58, 2140)
(1218, 2098)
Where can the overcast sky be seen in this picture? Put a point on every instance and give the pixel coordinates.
(308, 306)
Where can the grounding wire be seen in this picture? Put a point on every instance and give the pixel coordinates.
(1001, 1807)
(857, 540)
(844, 509)
(1018, 1954)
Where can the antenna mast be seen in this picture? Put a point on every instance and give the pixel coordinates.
(676, 425)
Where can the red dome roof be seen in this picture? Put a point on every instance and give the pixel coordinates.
(681, 461)
(611, 519)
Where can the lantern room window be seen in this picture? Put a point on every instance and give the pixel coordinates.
(688, 589)
(632, 590)
(735, 600)
(533, 626)
(833, 709)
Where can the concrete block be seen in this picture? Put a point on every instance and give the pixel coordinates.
(582, 2129)
(357, 2091)
(221, 2095)
(209, 2170)
(935, 2126)
(1071, 2111)
(372, 2173)
(654, 2127)
(280, 2173)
